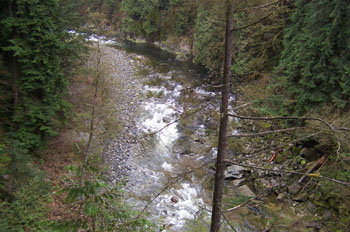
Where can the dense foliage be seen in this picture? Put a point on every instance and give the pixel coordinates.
(35, 47)
(315, 62)
(142, 18)
(208, 47)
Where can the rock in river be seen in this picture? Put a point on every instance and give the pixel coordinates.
(174, 200)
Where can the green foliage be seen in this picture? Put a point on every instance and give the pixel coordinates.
(209, 34)
(29, 209)
(141, 18)
(233, 201)
(102, 205)
(39, 51)
(5, 160)
(332, 196)
(257, 48)
(180, 17)
(104, 209)
(315, 62)
(157, 19)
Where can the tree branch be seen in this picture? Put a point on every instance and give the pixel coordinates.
(330, 126)
(282, 146)
(252, 24)
(177, 179)
(264, 5)
(172, 122)
(258, 7)
(290, 172)
(226, 219)
(238, 206)
(264, 133)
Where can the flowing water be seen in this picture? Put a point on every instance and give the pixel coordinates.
(157, 175)
(175, 128)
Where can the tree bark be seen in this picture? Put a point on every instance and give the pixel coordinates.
(11, 6)
(15, 81)
(220, 165)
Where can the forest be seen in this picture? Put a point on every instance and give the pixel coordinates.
(86, 113)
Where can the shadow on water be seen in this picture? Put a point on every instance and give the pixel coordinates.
(161, 56)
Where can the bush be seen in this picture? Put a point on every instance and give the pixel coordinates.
(28, 212)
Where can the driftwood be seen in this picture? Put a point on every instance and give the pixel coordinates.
(317, 164)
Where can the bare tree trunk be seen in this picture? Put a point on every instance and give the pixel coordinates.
(220, 165)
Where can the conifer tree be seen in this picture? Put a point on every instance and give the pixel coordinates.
(315, 63)
(36, 46)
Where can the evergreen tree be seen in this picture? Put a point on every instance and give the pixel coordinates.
(315, 63)
(209, 35)
(36, 46)
(141, 18)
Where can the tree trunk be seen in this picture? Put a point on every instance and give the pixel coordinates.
(14, 64)
(15, 80)
(220, 165)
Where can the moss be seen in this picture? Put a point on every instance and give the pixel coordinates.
(281, 157)
(232, 201)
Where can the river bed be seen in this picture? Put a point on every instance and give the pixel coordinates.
(159, 164)
(165, 151)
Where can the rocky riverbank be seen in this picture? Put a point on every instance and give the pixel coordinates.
(125, 97)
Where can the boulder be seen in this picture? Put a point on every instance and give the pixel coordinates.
(281, 196)
(245, 191)
(238, 182)
(234, 172)
(267, 183)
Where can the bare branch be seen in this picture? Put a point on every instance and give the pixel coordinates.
(338, 151)
(254, 23)
(238, 206)
(177, 179)
(265, 5)
(175, 121)
(198, 84)
(330, 126)
(281, 146)
(242, 106)
(290, 172)
(259, 7)
(265, 132)
(228, 222)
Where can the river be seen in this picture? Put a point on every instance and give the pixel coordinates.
(166, 149)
